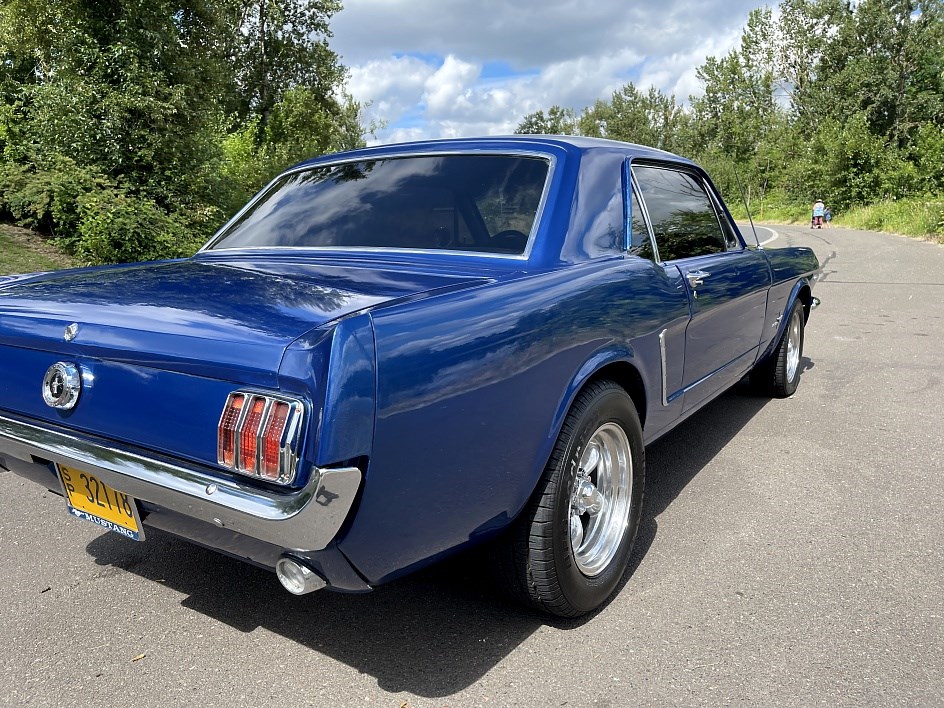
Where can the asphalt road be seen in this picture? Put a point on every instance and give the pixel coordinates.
(791, 553)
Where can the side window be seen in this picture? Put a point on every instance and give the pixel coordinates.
(639, 233)
(730, 237)
(683, 218)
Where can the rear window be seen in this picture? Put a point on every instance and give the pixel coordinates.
(482, 203)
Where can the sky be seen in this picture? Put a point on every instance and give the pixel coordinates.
(458, 68)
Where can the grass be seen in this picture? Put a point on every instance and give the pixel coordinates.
(24, 251)
(915, 217)
(776, 213)
(784, 213)
(921, 218)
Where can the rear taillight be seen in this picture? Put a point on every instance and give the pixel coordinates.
(258, 436)
(271, 439)
(226, 436)
(249, 434)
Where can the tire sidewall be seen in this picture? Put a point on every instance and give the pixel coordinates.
(583, 592)
(790, 384)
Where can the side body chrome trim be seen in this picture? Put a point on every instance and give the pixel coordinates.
(305, 519)
(665, 392)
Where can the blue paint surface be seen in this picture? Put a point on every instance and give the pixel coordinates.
(445, 376)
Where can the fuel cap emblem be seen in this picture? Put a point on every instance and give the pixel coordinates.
(62, 385)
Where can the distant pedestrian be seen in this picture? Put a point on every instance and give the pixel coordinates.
(819, 210)
(827, 216)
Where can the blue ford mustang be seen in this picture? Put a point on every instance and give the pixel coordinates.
(394, 353)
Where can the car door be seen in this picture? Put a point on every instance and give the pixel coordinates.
(727, 283)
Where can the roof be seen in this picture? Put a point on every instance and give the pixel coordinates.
(565, 143)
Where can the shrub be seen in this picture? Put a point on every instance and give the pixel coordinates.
(118, 227)
(46, 198)
(95, 218)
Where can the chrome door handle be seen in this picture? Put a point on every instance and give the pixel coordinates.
(696, 277)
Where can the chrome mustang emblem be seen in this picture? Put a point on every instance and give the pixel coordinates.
(71, 331)
(62, 385)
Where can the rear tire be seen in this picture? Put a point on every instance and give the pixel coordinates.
(569, 548)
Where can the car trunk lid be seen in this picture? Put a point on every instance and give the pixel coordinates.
(195, 317)
(162, 345)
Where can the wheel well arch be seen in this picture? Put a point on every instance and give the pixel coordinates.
(805, 295)
(629, 378)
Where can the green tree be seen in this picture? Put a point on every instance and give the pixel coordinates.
(279, 45)
(738, 127)
(299, 127)
(139, 109)
(887, 62)
(127, 88)
(558, 121)
(651, 118)
(791, 47)
(287, 93)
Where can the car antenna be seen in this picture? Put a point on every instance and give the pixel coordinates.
(746, 207)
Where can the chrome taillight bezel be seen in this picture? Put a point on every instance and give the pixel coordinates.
(289, 444)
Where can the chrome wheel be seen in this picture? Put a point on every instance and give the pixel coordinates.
(794, 345)
(601, 499)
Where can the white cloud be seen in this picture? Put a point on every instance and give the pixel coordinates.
(675, 73)
(449, 88)
(435, 69)
(392, 84)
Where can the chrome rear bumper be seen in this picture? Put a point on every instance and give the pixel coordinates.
(305, 519)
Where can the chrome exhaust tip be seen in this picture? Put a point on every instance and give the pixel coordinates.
(298, 579)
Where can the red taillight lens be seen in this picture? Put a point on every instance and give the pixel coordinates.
(272, 439)
(226, 436)
(249, 434)
(259, 434)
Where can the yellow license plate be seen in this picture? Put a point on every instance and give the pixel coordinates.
(91, 499)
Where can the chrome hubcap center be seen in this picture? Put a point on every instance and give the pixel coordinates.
(588, 498)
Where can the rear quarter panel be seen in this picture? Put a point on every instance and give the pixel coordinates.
(472, 390)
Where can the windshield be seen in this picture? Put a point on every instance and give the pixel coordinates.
(483, 203)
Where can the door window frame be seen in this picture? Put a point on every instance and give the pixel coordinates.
(732, 238)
